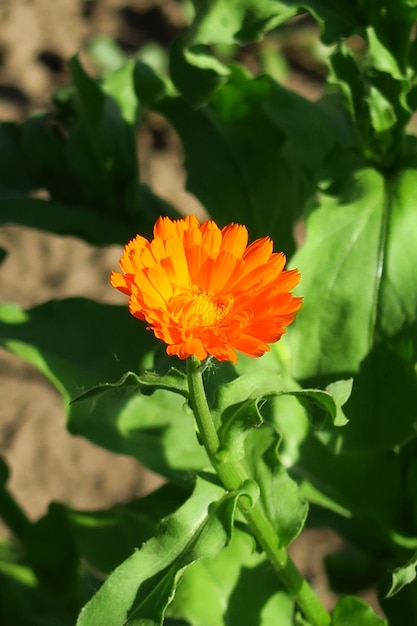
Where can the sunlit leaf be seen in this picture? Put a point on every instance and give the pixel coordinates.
(357, 273)
(236, 587)
(140, 590)
(351, 610)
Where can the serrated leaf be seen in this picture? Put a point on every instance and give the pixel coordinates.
(139, 591)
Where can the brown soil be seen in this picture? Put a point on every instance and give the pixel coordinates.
(37, 38)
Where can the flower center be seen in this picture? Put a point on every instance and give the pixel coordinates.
(198, 310)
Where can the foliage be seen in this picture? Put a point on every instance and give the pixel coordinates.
(255, 153)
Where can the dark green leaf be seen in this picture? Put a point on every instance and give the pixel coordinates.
(371, 500)
(149, 86)
(106, 538)
(14, 171)
(63, 219)
(52, 553)
(386, 386)
(257, 166)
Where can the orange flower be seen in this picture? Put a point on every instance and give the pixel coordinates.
(204, 291)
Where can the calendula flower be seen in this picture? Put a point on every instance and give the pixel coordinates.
(204, 291)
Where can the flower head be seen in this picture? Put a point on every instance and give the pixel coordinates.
(204, 291)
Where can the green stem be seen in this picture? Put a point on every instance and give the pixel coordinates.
(233, 476)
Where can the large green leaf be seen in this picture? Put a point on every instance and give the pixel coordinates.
(358, 280)
(139, 591)
(254, 154)
(236, 587)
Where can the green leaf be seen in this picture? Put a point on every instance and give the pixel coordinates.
(337, 21)
(158, 430)
(119, 84)
(386, 386)
(51, 551)
(14, 171)
(76, 343)
(243, 437)
(147, 383)
(402, 576)
(280, 496)
(351, 610)
(139, 590)
(325, 407)
(101, 145)
(149, 86)
(64, 219)
(104, 344)
(357, 273)
(382, 59)
(264, 149)
(236, 587)
(372, 501)
(195, 72)
(106, 538)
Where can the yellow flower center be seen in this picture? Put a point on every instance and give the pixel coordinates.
(197, 310)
